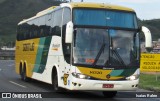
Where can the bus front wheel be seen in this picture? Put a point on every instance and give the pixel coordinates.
(109, 94)
(55, 84)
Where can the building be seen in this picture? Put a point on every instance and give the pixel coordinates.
(156, 47)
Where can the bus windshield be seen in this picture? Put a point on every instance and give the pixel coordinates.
(103, 47)
(107, 18)
(88, 43)
(103, 38)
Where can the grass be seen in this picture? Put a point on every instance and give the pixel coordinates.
(148, 82)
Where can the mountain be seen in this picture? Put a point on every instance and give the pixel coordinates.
(14, 11)
(154, 26)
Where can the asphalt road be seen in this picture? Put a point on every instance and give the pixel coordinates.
(11, 82)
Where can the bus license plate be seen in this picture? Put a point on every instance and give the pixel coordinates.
(108, 85)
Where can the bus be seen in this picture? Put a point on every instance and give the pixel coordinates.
(82, 46)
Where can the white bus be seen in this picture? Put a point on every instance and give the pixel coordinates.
(82, 46)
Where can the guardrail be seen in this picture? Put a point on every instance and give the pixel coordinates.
(7, 54)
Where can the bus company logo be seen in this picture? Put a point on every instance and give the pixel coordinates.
(108, 76)
(55, 47)
(28, 47)
(6, 95)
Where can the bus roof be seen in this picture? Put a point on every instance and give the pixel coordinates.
(99, 5)
(80, 5)
(41, 13)
(45, 11)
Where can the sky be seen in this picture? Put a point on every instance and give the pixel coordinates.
(145, 9)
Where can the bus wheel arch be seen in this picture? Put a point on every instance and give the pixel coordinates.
(24, 73)
(20, 68)
(54, 71)
(55, 79)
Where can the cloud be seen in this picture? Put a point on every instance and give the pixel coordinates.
(121, 1)
(136, 1)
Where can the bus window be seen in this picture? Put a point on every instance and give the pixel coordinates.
(19, 33)
(105, 18)
(66, 15)
(24, 31)
(35, 28)
(29, 28)
(41, 23)
(57, 22)
(48, 24)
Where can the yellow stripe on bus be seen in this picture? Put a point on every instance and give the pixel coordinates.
(97, 73)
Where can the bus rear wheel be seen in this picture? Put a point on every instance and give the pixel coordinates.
(23, 75)
(109, 94)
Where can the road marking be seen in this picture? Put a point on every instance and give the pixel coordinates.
(0, 69)
(11, 65)
(17, 84)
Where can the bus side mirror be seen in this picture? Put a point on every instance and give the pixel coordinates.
(69, 32)
(148, 38)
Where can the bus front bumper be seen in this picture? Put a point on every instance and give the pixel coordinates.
(84, 84)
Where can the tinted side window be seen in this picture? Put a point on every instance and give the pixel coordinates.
(48, 23)
(57, 22)
(25, 31)
(32, 29)
(52, 24)
(29, 29)
(41, 25)
(66, 15)
(35, 28)
(20, 32)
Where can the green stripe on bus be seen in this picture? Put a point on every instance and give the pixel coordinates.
(116, 72)
(128, 72)
(39, 54)
(45, 54)
(42, 54)
(124, 72)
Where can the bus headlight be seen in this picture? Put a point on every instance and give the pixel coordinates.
(135, 76)
(81, 76)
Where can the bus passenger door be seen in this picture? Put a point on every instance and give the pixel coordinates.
(65, 63)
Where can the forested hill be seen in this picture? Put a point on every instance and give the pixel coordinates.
(154, 26)
(13, 11)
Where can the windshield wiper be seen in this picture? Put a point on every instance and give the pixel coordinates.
(99, 54)
(119, 59)
(118, 56)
